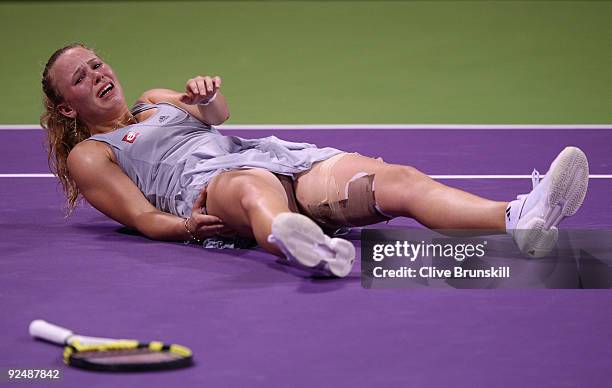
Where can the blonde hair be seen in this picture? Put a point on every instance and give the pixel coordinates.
(63, 133)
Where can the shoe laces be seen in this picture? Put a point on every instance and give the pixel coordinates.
(535, 178)
(535, 181)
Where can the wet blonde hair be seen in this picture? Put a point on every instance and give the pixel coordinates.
(63, 133)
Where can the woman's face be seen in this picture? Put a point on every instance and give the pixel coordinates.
(88, 86)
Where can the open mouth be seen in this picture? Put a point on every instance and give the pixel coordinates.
(105, 90)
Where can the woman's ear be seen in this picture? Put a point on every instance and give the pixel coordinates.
(66, 110)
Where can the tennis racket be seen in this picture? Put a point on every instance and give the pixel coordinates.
(108, 354)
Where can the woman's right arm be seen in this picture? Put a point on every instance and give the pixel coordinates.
(106, 187)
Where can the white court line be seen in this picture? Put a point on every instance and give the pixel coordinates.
(592, 176)
(27, 176)
(283, 127)
(413, 126)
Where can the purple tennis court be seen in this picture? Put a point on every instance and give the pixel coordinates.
(252, 322)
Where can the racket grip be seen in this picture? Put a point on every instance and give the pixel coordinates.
(49, 332)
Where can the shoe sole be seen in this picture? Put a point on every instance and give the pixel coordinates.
(304, 243)
(569, 184)
(534, 240)
(569, 176)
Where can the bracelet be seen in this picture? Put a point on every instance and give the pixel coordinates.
(193, 238)
(204, 103)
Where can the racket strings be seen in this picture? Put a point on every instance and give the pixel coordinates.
(127, 356)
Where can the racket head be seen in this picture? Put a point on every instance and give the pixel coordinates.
(127, 356)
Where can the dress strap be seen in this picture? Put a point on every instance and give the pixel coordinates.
(140, 107)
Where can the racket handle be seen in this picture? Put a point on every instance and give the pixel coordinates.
(49, 332)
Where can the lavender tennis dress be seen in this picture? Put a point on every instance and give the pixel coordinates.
(171, 156)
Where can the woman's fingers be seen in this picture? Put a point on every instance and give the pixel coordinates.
(202, 226)
(209, 226)
(200, 88)
(200, 202)
(209, 85)
(192, 87)
(205, 225)
(212, 229)
(206, 220)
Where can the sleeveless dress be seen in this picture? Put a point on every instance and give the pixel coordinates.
(172, 155)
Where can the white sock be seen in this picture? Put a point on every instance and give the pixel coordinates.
(513, 212)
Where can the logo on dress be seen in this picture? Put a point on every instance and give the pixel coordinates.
(163, 118)
(130, 136)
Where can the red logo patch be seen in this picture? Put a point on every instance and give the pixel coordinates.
(130, 137)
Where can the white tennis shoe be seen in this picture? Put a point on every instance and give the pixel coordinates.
(306, 246)
(533, 218)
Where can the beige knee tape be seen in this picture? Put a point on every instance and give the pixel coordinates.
(358, 207)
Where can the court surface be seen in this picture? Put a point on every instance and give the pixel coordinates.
(252, 323)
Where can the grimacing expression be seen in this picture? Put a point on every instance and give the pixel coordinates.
(88, 86)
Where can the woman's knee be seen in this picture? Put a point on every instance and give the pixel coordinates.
(253, 193)
(395, 174)
(397, 185)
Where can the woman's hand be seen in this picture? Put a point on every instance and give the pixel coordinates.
(200, 225)
(200, 90)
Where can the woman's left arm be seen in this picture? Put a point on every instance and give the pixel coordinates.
(202, 99)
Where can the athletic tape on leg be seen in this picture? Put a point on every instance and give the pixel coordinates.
(358, 208)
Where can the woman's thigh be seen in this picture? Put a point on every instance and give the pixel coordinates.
(230, 193)
(340, 191)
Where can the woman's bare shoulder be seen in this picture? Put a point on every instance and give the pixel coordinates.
(154, 96)
(89, 153)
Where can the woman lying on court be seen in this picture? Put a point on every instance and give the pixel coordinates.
(162, 169)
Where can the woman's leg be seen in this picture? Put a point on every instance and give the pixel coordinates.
(403, 191)
(254, 203)
(247, 201)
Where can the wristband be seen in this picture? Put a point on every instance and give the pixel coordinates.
(206, 102)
